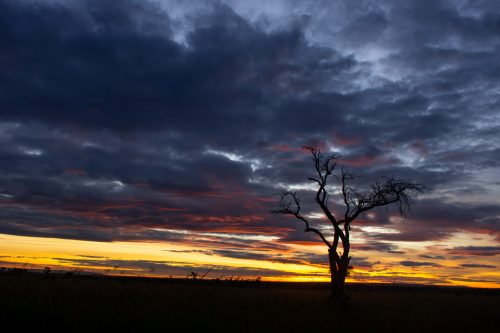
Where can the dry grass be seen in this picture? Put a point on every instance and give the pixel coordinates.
(84, 303)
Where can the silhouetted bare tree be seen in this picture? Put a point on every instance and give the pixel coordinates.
(390, 191)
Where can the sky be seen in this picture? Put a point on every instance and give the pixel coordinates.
(151, 137)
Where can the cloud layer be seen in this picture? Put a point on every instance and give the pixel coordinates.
(140, 120)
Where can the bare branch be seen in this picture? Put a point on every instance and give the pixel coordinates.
(290, 205)
(344, 177)
(391, 191)
(324, 168)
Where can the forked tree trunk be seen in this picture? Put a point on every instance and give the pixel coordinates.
(338, 273)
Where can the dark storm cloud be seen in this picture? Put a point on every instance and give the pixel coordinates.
(365, 29)
(115, 73)
(145, 267)
(111, 126)
(476, 250)
(428, 256)
(477, 266)
(363, 262)
(472, 280)
(378, 246)
(432, 219)
(320, 260)
(410, 263)
(295, 258)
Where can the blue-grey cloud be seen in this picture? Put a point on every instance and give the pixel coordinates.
(112, 126)
(410, 263)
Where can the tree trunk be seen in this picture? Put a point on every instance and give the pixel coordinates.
(338, 273)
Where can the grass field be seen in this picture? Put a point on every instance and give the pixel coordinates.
(85, 303)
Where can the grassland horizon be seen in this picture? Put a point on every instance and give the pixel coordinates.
(87, 302)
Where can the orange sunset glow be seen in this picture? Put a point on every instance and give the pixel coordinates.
(172, 259)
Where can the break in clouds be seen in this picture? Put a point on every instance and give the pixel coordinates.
(139, 120)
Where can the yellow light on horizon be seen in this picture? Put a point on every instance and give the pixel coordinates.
(66, 253)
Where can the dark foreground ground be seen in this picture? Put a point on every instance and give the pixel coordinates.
(85, 303)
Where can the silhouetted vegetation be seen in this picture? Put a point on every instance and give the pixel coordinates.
(85, 303)
(390, 191)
